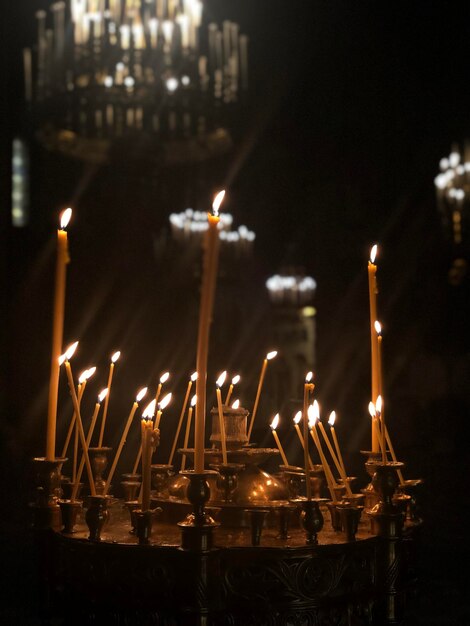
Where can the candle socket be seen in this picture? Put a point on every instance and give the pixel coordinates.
(284, 512)
(317, 479)
(311, 518)
(411, 488)
(335, 516)
(257, 518)
(67, 489)
(293, 478)
(197, 529)
(227, 479)
(69, 510)
(46, 511)
(235, 422)
(132, 506)
(161, 475)
(99, 463)
(96, 516)
(144, 522)
(130, 486)
(371, 497)
(350, 516)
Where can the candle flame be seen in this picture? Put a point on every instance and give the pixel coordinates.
(83, 376)
(309, 377)
(193, 400)
(372, 411)
(65, 218)
(378, 327)
(102, 395)
(378, 404)
(274, 424)
(220, 381)
(312, 416)
(165, 402)
(90, 371)
(194, 377)
(373, 253)
(149, 410)
(68, 354)
(61, 359)
(141, 394)
(217, 202)
(271, 355)
(115, 356)
(236, 379)
(332, 418)
(236, 404)
(316, 408)
(164, 377)
(297, 417)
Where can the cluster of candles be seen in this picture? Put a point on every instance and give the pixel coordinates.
(127, 58)
(310, 415)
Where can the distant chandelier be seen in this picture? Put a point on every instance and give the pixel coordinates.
(111, 69)
(291, 288)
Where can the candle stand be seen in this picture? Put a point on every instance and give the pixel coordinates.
(99, 463)
(268, 556)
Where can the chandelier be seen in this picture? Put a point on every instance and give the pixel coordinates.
(110, 70)
(291, 288)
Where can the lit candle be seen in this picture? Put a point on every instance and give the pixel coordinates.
(150, 409)
(134, 408)
(341, 471)
(274, 424)
(114, 358)
(84, 376)
(146, 431)
(235, 381)
(180, 422)
(161, 406)
(380, 417)
(57, 331)
(308, 389)
(236, 404)
(211, 256)
(163, 379)
(331, 422)
(297, 418)
(268, 357)
(313, 415)
(66, 357)
(372, 270)
(91, 430)
(188, 429)
(223, 444)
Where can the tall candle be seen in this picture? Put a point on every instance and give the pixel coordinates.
(380, 417)
(149, 410)
(268, 357)
(373, 414)
(188, 430)
(180, 421)
(210, 264)
(331, 422)
(372, 270)
(313, 418)
(220, 410)
(57, 331)
(297, 418)
(341, 471)
(235, 381)
(134, 408)
(308, 389)
(163, 378)
(378, 330)
(91, 430)
(162, 405)
(274, 424)
(146, 462)
(84, 377)
(114, 358)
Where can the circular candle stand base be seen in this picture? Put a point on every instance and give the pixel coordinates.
(227, 479)
(46, 511)
(99, 463)
(161, 474)
(69, 510)
(311, 517)
(96, 516)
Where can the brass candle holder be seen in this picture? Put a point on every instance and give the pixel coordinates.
(197, 529)
(161, 474)
(227, 479)
(130, 486)
(46, 511)
(69, 510)
(99, 461)
(311, 517)
(96, 516)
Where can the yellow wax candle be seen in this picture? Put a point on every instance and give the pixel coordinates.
(274, 425)
(91, 429)
(134, 408)
(188, 430)
(394, 456)
(331, 422)
(84, 376)
(146, 462)
(380, 412)
(223, 443)
(180, 421)
(150, 411)
(163, 404)
(114, 358)
(308, 389)
(372, 270)
(268, 357)
(313, 418)
(341, 472)
(209, 275)
(235, 381)
(57, 331)
(76, 437)
(163, 378)
(297, 418)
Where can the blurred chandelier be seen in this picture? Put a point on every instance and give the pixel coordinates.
(107, 71)
(291, 287)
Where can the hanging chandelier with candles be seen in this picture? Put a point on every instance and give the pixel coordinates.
(104, 70)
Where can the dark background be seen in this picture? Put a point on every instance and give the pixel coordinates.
(352, 105)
